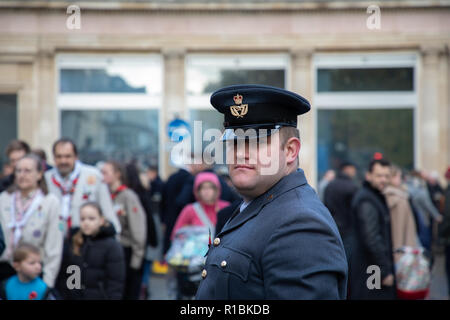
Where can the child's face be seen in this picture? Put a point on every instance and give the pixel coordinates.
(91, 220)
(30, 268)
(207, 192)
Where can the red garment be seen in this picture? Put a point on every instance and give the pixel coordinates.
(188, 216)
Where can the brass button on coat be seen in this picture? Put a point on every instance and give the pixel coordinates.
(216, 242)
(223, 264)
(204, 273)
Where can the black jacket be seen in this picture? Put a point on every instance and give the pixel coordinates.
(102, 266)
(170, 209)
(372, 244)
(49, 293)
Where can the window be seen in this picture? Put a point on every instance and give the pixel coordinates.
(206, 73)
(109, 105)
(365, 104)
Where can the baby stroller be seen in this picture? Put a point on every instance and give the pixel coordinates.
(187, 256)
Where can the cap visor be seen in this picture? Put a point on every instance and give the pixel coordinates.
(250, 133)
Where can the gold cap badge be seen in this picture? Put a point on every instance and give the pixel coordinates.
(239, 110)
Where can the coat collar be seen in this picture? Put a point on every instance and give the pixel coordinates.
(287, 183)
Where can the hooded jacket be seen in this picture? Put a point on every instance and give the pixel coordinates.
(188, 216)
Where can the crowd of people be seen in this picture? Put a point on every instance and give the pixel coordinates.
(102, 220)
(391, 210)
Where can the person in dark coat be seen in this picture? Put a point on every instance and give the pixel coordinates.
(281, 242)
(372, 246)
(338, 199)
(170, 209)
(100, 257)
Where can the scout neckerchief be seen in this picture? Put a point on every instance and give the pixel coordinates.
(118, 190)
(67, 188)
(20, 214)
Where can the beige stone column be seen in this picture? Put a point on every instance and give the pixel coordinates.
(45, 116)
(433, 110)
(301, 82)
(173, 102)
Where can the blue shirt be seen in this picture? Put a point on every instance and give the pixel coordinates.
(18, 290)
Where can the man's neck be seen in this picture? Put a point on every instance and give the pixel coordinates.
(26, 193)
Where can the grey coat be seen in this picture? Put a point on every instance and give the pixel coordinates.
(422, 201)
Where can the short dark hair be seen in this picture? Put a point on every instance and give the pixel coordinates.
(65, 140)
(16, 145)
(94, 205)
(381, 162)
(23, 251)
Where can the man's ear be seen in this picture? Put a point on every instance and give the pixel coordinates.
(292, 149)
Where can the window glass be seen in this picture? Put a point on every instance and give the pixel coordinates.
(356, 134)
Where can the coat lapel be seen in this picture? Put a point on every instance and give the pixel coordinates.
(287, 183)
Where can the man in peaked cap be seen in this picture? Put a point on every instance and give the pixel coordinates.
(281, 242)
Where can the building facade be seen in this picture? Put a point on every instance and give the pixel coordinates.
(114, 76)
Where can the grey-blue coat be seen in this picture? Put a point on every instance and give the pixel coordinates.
(284, 245)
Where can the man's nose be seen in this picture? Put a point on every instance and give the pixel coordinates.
(242, 150)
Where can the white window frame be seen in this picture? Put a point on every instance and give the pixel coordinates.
(111, 101)
(367, 100)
